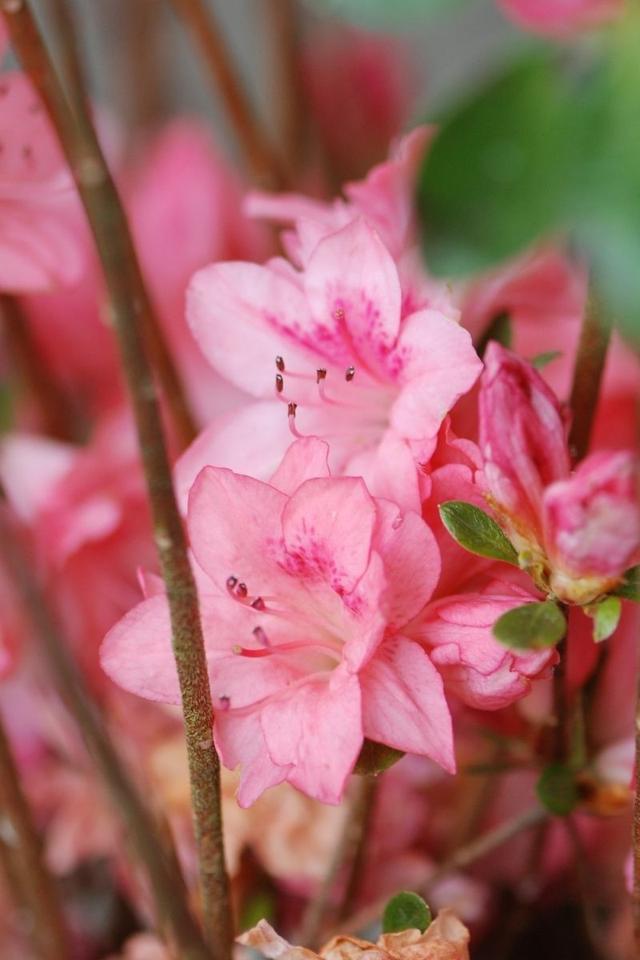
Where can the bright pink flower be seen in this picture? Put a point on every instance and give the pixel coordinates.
(561, 18)
(38, 204)
(457, 632)
(577, 532)
(306, 584)
(523, 440)
(359, 364)
(592, 521)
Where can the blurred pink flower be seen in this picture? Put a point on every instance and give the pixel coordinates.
(320, 579)
(38, 203)
(576, 532)
(561, 18)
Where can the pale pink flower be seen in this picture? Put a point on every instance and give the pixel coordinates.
(576, 532)
(561, 18)
(359, 363)
(38, 203)
(446, 938)
(143, 946)
(306, 584)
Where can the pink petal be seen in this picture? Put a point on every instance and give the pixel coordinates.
(244, 316)
(403, 703)
(316, 728)
(354, 295)
(137, 652)
(304, 460)
(328, 524)
(411, 562)
(240, 741)
(30, 469)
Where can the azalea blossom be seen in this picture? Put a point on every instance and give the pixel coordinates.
(38, 203)
(561, 18)
(446, 938)
(576, 532)
(352, 343)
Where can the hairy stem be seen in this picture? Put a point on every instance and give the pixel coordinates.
(158, 860)
(262, 161)
(587, 377)
(129, 306)
(348, 857)
(27, 867)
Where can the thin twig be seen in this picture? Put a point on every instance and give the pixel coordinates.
(129, 305)
(163, 874)
(347, 856)
(283, 23)
(262, 161)
(56, 413)
(587, 376)
(463, 857)
(27, 864)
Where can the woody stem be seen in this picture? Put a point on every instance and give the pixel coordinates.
(130, 310)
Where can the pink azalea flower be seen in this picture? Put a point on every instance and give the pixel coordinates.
(38, 203)
(576, 532)
(306, 584)
(561, 18)
(356, 347)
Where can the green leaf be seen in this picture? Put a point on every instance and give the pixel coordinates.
(606, 616)
(629, 589)
(494, 178)
(557, 790)
(406, 911)
(542, 360)
(375, 758)
(474, 530)
(533, 626)
(382, 13)
(260, 906)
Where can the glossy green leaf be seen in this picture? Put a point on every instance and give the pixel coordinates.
(406, 911)
(557, 789)
(475, 530)
(606, 616)
(376, 758)
(533, 626)
(629, 589)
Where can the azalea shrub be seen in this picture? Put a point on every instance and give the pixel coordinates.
(319, 460)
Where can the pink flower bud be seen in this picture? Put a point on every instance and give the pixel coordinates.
(592, 525)
(560, 18)
(523, 442)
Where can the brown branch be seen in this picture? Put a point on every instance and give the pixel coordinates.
(288, 89)
(57, 415)
(262, 161)
(27, 866)
(348, 856)
(159, 862)
(129, 308)
(587, 377)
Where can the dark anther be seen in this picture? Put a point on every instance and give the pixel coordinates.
(261, 636)
(350, 374)
(241, 590)
(291, 408)
(225, 702)
(280, 364)
(231, 583)
(258, 604)
(321, 374)
(279, 382)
